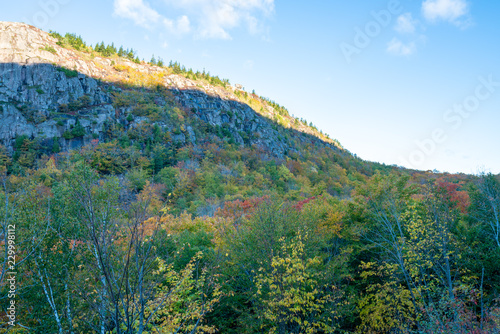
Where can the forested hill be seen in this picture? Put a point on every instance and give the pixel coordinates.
(144, 197)
(63, 94)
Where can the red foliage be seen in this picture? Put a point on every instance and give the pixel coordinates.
(301, 204)
(459, 197)
(238, 209)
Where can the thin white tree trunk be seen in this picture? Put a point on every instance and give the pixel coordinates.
(47, 289)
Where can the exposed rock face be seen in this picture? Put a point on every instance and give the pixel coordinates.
(39, 81)
(233, 114)
(33, 89)
(24, 44)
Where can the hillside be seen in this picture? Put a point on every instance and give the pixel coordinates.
(143, 198)
(41, 93)
(59, 98)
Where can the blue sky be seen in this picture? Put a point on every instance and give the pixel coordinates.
(412, 83)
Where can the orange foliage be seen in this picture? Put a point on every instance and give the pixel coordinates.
(294, 167)
(457, 196)
(237, 210)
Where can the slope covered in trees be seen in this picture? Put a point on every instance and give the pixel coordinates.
(159, 207)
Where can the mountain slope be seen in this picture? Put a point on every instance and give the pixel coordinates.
(56, 96)
(39, 91)
(139, 198)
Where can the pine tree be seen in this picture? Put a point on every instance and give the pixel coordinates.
(153, 60)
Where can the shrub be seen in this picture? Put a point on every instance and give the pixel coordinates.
(69, 73)
(63, 108)
(122, 68)
(20, 142)
(85, 101)
(137, 178)
(107, 158)
(56, 148)
(77, 131)
(82, 102)
(49, 48)
(147, 109)
(67, 135)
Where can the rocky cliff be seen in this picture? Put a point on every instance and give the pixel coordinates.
(55, 93)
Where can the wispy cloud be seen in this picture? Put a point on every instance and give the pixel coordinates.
(411, 30)
(452, 11)
(204, 18)
(406, 27)
(143, 15)
(181, 26)
(215, 18)
(398, 48)
(405, 24)
(138, 11)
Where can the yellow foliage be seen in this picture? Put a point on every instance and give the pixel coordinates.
(185, 222)
(387, 305)
(130, 76)
(184, 299)
(122, 68)
(49, 173)
(291, 296)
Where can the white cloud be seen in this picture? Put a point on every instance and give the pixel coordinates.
(405, 24)
(447, 10)
(138, 11)
(398, 48)
(206, 18)
(180, 26)
(215, 18)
